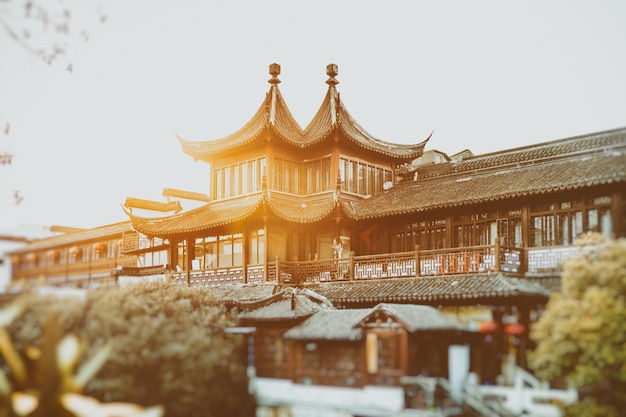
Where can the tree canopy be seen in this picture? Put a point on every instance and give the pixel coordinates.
(581, 337)
(168, 346)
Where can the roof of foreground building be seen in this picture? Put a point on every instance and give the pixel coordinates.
(436, 290)
(567, 164)
(348, 324)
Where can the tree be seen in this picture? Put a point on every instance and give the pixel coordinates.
(581, 337)
(43, 29)
(168, 346)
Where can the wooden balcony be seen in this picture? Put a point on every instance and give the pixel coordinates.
(84, 273)
(419, 263)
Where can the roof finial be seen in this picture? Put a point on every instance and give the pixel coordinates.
(274, 71)
(332, 70)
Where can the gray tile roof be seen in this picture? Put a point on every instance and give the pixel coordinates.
(417, 317)
(287, 304)
(233, 294)
(494, 185)
(330, 325)
(531, 154)
(429, 290)
(347, 324)
(77, 237)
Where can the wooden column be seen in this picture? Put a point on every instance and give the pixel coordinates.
(617, 214)
(496, 254)
(265, 254)
(418, 267)
(449, 231)
(351, 268)
(244, 256)
(173, 254)
(526, 225)
(190, 243)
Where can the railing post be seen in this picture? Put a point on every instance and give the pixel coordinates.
(523, 261)
(418, 267)
(351, 267)
(496, 254)
(277, 270)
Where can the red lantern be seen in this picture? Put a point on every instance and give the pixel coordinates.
(489, 326)
(514, 329)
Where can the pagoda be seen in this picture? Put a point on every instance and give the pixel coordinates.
(279, 191)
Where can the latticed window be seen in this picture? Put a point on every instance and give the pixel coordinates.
(561, 222)
(287, 175)
(238, 179)
(256, 247)
(362, 178)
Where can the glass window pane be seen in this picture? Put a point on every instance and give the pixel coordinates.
(225, 253)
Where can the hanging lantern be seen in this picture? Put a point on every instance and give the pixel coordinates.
(52, 254)
(514, 329)
(489, 326)
(15, 259)
(31, 257)
(99, 248)
(75, 251)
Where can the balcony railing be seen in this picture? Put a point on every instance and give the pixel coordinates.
(465, 260)
(450, 261)
(212, 277)
(80, 273)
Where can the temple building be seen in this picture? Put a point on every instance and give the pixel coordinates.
(279, 191)
(293, 204)
(328, 225)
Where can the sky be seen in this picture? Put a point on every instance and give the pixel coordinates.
(484, 75)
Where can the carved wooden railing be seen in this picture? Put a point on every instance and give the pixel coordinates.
(220, 276)
(81, 273)
(464, 260)
(548, 258)
(473, 259)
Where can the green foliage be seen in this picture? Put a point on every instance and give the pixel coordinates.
(589, 407)
(581, 337)
(167, 346)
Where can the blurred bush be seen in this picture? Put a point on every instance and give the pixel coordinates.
(167, 346)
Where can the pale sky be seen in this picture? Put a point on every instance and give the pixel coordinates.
(484, 75)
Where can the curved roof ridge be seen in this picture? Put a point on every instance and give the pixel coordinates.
(282, 120)
(205, 217)
(354, 131)
(301, 210)
(560, 147)
(275, 114)
(333, 114)
(248, 132)
(322, 124)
